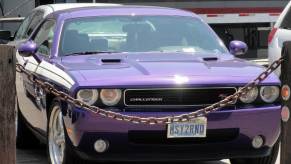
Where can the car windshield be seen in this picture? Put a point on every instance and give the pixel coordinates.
(138, 34)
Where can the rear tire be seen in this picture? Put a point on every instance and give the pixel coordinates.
(58, 146)
(270, 159)
(25, 139)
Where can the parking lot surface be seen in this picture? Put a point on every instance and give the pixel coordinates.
(38, 156)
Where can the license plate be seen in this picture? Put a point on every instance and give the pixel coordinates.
(194, 129)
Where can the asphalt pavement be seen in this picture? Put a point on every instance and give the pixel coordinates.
(39, 156)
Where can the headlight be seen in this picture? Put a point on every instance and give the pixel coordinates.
(110, 97)
(89, 96)
(250, 96)
(269, 93)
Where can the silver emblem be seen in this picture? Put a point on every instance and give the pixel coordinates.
(149, 99)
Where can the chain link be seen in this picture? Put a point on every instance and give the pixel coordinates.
(150, 120)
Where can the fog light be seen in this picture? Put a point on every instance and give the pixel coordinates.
(101, 146)
(257, 142)
(285, 114)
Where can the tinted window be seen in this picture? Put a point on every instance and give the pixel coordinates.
(34, 22)
(286, 23)
(139, 34)
(44, 37)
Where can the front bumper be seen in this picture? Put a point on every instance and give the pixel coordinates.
(229, 135)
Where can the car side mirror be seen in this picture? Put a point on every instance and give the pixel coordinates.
(27, 49)
(5, 36)
(237, 47)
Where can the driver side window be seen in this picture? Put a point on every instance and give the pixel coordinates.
(44, 37)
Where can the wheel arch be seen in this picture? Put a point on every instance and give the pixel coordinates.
(49, 100)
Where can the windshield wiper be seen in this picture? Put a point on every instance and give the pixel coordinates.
(91, 52)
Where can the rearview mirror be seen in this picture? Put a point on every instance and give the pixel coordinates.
(27, 49)
(5, 36)
(237, 47)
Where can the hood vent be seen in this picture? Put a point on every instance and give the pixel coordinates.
(210, 58)
(110, 61)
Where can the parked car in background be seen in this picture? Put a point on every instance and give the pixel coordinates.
(143, 61)
(280, 33)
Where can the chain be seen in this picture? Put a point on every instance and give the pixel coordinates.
(150, 120)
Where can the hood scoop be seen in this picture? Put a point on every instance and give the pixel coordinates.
(110, 61)
(210, 59)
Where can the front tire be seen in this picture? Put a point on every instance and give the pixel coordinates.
(270, 159)
(58, 147)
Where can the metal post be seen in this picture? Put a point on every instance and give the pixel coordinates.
(286, 104)
(7, 105)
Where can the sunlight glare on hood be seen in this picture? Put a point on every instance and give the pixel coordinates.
(180, 79)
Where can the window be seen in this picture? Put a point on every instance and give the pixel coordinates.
(23, 27)
(44, 37)
(34, 22)
(138, 34)
(286, 23)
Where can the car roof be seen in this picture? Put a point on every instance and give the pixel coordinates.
(49, 8)
(63, 6)
(120, 10)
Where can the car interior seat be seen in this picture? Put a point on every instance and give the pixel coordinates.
(99, 44)
(74, 42)
(140, 37)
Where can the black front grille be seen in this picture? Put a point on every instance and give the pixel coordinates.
(175, 97)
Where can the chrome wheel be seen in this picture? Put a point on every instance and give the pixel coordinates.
(56, 136)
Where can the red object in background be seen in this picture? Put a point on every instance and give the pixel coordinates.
(271, 35)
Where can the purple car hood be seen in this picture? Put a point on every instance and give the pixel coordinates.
(160, 69)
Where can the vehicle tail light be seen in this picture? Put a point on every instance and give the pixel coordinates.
(271, 35)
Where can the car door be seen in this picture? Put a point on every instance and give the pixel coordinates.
(30, 97)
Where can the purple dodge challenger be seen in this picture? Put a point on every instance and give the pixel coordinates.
(142, 61)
